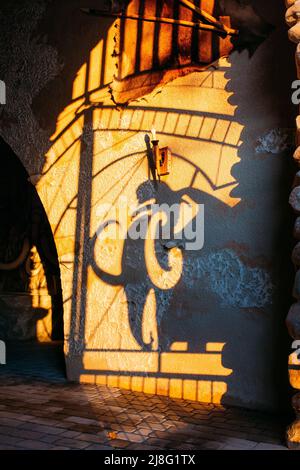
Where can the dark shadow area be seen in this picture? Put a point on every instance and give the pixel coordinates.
(279, 53)
(30, 287)
(81, 34)
(35, 361)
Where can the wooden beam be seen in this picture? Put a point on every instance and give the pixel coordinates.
(154, 19)
(202, 13)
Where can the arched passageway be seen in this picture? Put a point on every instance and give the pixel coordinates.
(31, 308)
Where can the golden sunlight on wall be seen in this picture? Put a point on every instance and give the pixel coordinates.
(100, 153)
(168, 364)
(294, 370)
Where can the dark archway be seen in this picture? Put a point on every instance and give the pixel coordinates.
(31, 306)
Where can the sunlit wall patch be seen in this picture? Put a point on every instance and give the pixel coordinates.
(2, 92)
(2, 353)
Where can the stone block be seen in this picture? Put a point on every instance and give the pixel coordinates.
(296, 231)
(296, 403)
(296, 254)
(294, 199)
(294, 33)
(289, 3)
(291, 14)
(296, 155)
(293, 321)
(297, 57)
(296, 289)
(293, 435)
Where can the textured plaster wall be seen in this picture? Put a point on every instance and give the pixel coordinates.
(196, 324)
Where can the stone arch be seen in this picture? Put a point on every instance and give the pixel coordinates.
(30, 287)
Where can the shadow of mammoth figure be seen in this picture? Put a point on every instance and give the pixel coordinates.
(161, 251)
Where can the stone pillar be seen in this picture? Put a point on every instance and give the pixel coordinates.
(293, 319)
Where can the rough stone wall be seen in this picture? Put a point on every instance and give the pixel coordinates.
(292, 321)
(199, 324)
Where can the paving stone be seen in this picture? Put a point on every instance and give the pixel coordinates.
(34, 445)
(10, 422)
(60, 448)
(80, 420)
(40, 410)
(123, 427)
(143, 431)
(45, 421)
(71, 434)
(10, 440)
(118, 443)
(7, 414)
(240, 443)
(98, 439)
(21, 433)
(49, 438)
(156, 426)
(72, 443)
(209, 445)
(97, 447)
(263, 446)
(7, 447)
(142, 447)
(42, 428)
(131, 437)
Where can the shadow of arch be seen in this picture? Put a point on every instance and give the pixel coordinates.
(28, 257)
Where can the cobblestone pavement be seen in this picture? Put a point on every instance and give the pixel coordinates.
(39, 409)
